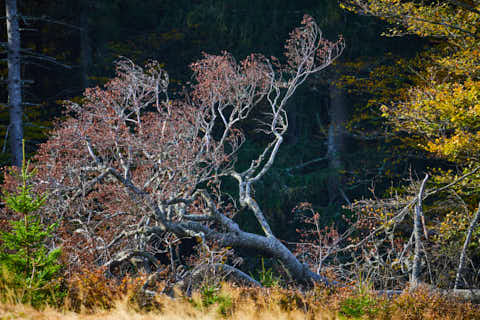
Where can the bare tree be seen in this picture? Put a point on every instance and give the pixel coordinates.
(132, 165)
(463, 255)
(18, 56)
(14, 82)
(417, 233)
(390, 249)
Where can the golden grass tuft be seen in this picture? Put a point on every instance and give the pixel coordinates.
(172, 309)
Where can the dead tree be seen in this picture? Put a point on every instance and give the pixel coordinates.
(417, 233)
(16, 56)
(131, 164)
(14, 82)
(468, 238)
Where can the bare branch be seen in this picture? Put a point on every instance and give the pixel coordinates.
(306, 164)
(48, 19)
(29, 54)
(471, 228)
(129, 148)
(451, 184)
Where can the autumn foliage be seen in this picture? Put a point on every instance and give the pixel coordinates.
(130, 171)
(431, 104)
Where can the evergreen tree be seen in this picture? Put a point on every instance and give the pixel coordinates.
(28, 269)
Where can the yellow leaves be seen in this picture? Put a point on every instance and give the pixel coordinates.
(384, 110)
(347, 80)
(447, 114)
(441, 109)
(458, 147)
(420, 18)
(452, 224)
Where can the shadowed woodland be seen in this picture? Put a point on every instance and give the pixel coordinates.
(323, 150)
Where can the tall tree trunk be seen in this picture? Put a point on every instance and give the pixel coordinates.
(336, 139)
(14, 83)
(85, 49)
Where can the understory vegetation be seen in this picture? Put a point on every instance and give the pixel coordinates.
(91, 296)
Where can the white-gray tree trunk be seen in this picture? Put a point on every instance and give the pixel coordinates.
(14, 82)
(463, 255)
(417, 232)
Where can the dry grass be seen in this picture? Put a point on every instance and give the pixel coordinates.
(124, 313)
(91, 296)
(245, 305)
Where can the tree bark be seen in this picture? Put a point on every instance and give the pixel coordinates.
(14, 83)
(274, 247)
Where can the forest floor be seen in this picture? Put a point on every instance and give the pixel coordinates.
(229, 302)
(178, 312)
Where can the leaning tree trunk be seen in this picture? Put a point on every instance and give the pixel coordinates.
(336, 139)
(14, 82)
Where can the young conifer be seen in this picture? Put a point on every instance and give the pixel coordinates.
(28, 270)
